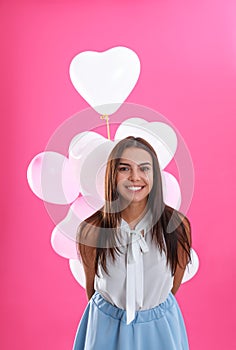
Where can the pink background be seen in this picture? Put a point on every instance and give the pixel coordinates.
(188, 55)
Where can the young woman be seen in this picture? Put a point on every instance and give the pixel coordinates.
(134, 252)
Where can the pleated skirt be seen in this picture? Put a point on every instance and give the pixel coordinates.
(103, 327)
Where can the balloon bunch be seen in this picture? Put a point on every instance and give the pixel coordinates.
(104, 80)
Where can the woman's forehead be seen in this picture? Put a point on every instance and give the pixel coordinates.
(135, 155)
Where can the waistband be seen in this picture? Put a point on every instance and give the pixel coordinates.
(141, 316)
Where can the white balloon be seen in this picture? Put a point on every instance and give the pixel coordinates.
(171, 190)
(52, 179)
(95, 165)
(105, 79)
(191, 268)
(160, 136)
(77, 270)
(80, 147)
(83, 143)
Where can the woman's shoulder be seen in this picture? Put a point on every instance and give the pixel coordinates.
(177, 218)
(86, 243)
(178, 226)
(87, 234)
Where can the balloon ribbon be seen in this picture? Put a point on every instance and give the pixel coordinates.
(106, 117)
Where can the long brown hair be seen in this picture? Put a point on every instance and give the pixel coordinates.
(170, 228)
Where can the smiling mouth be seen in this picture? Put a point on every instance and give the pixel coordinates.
(135, 188)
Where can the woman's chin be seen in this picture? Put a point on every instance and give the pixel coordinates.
(134, 199)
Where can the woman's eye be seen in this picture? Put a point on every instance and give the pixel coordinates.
(145, 168)
(124, 168)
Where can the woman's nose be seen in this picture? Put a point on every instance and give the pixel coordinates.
(134, 175)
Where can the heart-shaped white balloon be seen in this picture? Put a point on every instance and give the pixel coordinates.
(161, 136)
(105, 79)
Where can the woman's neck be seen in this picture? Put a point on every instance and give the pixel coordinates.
(133, 213)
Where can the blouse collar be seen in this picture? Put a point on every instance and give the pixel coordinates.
(144, 224)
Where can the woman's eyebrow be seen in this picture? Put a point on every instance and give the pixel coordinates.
(140, 164)
(124, 164)
(145, 163)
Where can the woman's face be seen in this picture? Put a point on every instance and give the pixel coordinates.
(135, 175)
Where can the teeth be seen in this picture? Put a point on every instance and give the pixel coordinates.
(132, 188)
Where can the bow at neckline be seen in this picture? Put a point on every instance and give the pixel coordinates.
(136, 247)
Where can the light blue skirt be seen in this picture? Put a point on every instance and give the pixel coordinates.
(103, 327)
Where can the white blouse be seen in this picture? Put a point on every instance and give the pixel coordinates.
(139, 278)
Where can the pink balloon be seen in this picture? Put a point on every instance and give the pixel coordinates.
(34, 175)
(63, 237)
(63, 245)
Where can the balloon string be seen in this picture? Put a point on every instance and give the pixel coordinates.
(106, 117)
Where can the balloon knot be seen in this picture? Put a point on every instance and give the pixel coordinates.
(104, 116)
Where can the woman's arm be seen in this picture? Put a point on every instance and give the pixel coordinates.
(183, 259)
(179, 274)
(86, 248)
(88, 255)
